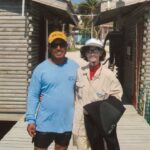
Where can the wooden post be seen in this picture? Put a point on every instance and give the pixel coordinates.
(23, 6)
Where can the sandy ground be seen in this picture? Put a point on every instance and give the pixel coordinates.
(76, 57)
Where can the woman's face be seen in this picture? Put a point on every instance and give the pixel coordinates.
(93, 55)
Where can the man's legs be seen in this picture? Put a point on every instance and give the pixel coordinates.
(42, 140)
(59, 147)
(62, 140)
(37, 148)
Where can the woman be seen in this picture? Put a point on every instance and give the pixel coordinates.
(94, 82)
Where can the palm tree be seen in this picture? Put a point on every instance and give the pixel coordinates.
(90, 7)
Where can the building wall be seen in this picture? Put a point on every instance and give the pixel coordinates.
(19, 54)
(107, 5)
(128, 24)
(145, 67)
(13, 58)
(10, 8)
(144, 94)
(34, 19)
(22, 47)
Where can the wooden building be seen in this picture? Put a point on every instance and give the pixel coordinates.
(24, 28)
(131, 41)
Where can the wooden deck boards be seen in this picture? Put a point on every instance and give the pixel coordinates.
(133, 134)
(133, 131)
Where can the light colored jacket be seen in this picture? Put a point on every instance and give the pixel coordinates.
(103, 84)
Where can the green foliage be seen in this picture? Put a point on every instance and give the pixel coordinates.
(85, 31)
(88, 10)
(72, 49)
(89, 6)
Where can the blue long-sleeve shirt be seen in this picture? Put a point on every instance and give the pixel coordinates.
(55, 83)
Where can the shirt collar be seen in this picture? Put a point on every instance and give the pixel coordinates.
(86, 70)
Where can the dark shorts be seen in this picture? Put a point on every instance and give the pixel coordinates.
(44, 139)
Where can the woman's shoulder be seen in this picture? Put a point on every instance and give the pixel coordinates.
(108, 73)
(107, 70)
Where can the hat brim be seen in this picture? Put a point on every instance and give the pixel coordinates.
(91, 44)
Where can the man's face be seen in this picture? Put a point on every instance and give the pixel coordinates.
(58, 49)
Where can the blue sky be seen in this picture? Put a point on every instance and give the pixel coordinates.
(76, 1)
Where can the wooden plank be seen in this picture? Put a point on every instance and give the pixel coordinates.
(12, 91)
(14, 57)
(10, 117)
(12, 33)
(12, 107)
(12, 26)
(10, 37)
(8, 45)
(10, 13)
(13, 99)
(12, 21)
(4, 50)
(14, 64)
(13, 72)
(13, 95)
(12, 102)
(12, 17)
(18, 76)
(13, 41)
(13, 68)
(13, 29)
(13, 110)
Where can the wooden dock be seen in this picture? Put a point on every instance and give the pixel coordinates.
(133, 134)
(133, 131)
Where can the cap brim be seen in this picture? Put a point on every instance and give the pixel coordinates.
(58, 39)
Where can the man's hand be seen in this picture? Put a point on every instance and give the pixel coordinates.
(31, 129)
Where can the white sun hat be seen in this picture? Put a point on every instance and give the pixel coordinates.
(93, 42)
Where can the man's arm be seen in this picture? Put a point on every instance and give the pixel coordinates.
(34, 91)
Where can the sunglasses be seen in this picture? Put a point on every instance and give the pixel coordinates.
(60, 44)
(94, 50)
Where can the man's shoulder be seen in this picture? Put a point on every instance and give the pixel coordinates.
(72, 62)
(40, 66)
(42, 63)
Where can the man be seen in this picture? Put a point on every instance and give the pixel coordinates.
(51, 119)
(94, 83)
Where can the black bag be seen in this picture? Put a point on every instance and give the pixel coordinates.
(105, 114)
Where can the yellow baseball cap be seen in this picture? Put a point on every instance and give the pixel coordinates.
(57, 35)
